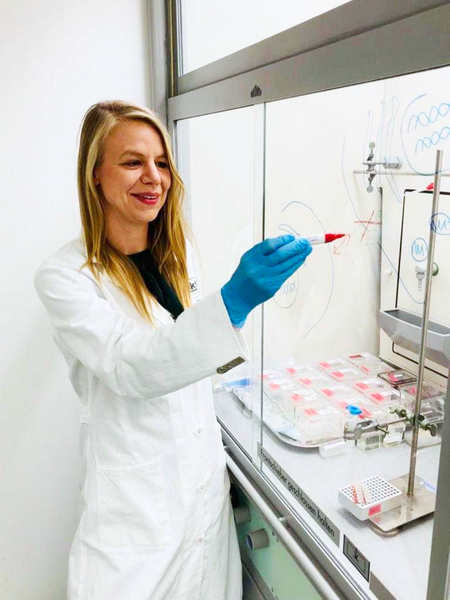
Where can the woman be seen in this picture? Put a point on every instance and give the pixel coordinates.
(155, 518)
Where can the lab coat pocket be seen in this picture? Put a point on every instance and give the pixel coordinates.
(132, 507)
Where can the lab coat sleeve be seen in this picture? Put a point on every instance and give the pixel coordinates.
(130, 361)
(198, 271)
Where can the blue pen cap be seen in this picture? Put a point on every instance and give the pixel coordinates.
(354, 410)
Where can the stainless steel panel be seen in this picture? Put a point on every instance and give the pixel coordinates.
(419, 42)
(404, 329)
(340, 23)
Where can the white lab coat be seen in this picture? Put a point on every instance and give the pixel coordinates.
(155, 515)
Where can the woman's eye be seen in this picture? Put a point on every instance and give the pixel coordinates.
(162, 164)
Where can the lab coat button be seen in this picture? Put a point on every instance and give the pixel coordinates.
(200, 488)
(199, 432)
(199, 540)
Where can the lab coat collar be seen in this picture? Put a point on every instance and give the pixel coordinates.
(118, 298)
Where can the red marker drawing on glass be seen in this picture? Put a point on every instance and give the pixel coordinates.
(322, 238)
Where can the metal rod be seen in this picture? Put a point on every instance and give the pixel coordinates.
(172, 48)
(310, 570)
(426, 312)
(393, 422)
(395, 173)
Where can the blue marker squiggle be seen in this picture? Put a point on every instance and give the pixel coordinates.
(440, 223)
(380, 128)
(405, 132)
(433, 140)
(419, 250)
(329, 253)
(435, 112)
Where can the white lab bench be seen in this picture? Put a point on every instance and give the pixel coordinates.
(400, 563)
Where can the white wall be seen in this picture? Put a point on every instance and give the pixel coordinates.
(200, 19)
(56, 59)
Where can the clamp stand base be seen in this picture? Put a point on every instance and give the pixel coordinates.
(421, 504)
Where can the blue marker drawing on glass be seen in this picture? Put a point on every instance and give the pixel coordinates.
(287, 294)
(433, 140)
(413, 126)
(440, 223)
(424, 119)
(380, 127)
(419, 250)
(289, 229)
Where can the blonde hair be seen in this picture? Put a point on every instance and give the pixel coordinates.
(166, 234)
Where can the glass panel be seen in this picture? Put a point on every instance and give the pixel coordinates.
(327, 366)
(340, 338)
(212, 30)
(216, 154)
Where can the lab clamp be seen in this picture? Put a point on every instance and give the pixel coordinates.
(371, 164)
(368, 426)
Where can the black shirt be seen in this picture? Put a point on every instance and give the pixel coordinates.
(156, 283)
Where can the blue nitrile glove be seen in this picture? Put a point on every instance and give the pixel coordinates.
(261, 272)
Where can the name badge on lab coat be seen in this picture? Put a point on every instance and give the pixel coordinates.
(195, 293)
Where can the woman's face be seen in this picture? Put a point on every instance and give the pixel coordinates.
(134, 175)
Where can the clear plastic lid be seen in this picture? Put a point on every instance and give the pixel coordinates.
(363, 358)
(318, 412)
(369, 384)
(313, 381)
(269, 374)
(274, 387)
(357, 401)
(398, 377)
(345, 374)
(380, 413)
(319, 424)
(299, 398)
(375, 368)
(336, 391)
(333, 363)
(300, 370)
(429, 390)
(385, 398)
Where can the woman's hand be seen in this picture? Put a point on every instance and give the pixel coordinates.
(261, 272)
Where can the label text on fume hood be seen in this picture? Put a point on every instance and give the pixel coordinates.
(323, 521)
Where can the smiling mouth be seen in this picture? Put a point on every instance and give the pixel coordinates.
(147, 198)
